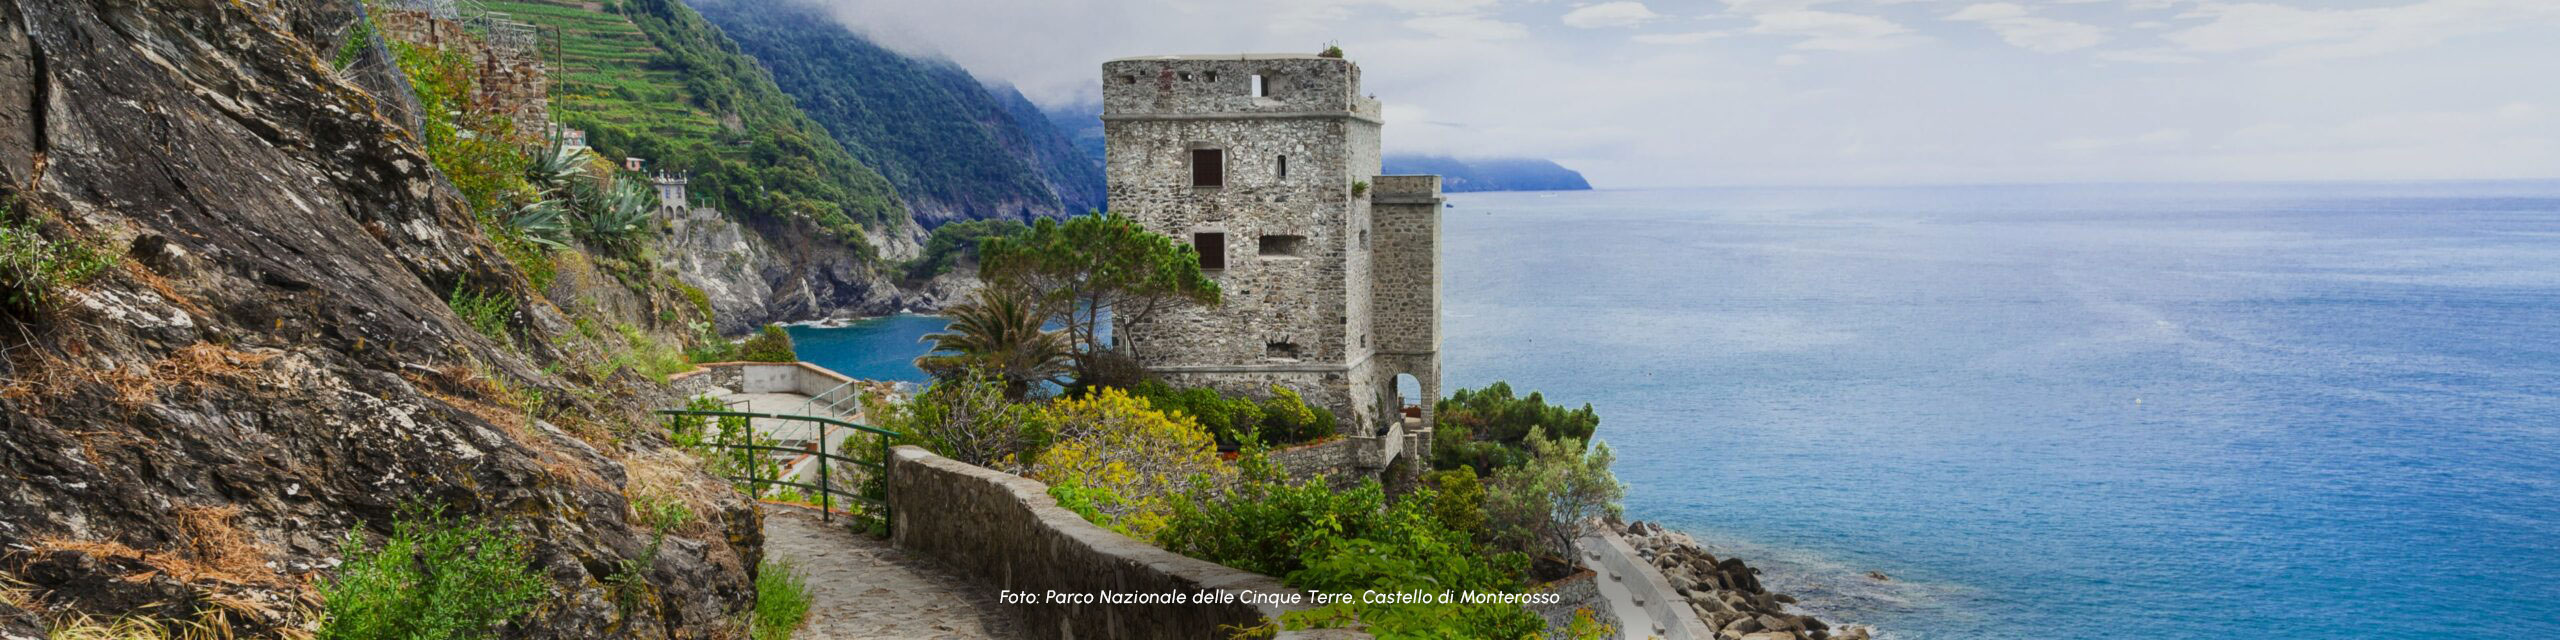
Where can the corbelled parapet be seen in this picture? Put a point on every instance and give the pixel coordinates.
(1245, 84)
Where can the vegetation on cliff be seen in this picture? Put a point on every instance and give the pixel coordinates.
(955, 148)
(295, 313)
(651, 79)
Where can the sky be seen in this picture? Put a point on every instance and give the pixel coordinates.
(1661, 93)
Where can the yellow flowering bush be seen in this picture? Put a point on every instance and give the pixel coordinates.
(1120, 462)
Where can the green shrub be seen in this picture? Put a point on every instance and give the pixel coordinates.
(34, 270)
(967, 418)
(782, 602)
(1544, 505)
(1317, 538)
(486, 313)
(434, 577)
(1235, 421)
(701, 301)
(1488, 428)
(772, 344)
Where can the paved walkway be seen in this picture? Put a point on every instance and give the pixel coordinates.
(863, 588)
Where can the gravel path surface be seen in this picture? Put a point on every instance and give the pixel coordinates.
(863, 588)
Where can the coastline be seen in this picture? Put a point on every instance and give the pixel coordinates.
(1727, 593)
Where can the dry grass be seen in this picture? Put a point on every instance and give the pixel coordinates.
(214, 549)
(214, 539)
(198, 365)
(214, 624)
(17, 594)
(667, 473)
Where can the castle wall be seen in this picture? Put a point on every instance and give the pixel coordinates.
(1301, 318)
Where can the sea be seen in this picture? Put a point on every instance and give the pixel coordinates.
(2057, 411)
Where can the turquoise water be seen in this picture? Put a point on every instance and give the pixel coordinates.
(2060, 412)
(869, 349)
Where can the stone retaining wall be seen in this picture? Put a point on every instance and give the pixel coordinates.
(758, 377)
(1007, 531)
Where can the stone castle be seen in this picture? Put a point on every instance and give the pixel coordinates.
(1268, 165)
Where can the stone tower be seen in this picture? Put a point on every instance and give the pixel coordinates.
(1268, 164)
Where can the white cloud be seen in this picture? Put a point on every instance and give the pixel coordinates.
(1468, 27)
(1790, 59)
(1835, 31)
(2298, 34)
(2029, 32)
(1989, 11)
(1609, 14)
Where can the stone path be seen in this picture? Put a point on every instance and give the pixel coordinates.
(863, 588)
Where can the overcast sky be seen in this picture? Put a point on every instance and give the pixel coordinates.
(1746, 92)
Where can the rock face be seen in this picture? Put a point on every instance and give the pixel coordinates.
(1726, 593)
(273, 363)
(782, 271)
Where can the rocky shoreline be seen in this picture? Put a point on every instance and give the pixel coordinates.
(1724, 592)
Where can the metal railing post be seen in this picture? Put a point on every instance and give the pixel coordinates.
(826, 489)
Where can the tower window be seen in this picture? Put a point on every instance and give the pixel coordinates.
(1128, 79)
(1260, 91)
(1280, 245)
(1284, 167)
(1186, 76)
(1213, 249)
(1280, 350)
(1209, 77)
(1208, 168)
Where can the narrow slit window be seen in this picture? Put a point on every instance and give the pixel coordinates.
(1281, 245)
(1258, 90)
(1284, 167)
(1208, 168)
(1213, 249)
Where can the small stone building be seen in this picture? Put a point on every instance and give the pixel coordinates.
(1268, 164)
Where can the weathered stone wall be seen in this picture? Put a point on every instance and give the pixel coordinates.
(1334, 460)
(1006, 530)
(1188, 85)
(513, 78)
(1299, 318)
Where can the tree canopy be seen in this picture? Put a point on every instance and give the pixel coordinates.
(1093, 268)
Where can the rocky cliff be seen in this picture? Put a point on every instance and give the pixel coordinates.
(272, 362)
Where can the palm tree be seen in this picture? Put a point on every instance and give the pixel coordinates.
(999, 334)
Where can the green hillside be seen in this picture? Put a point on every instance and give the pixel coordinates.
(651, 79)
(955, 148)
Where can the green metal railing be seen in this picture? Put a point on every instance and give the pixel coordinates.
(743, 443)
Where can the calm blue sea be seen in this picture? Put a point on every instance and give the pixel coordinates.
(2153, 412)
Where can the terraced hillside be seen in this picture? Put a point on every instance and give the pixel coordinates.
(651, 79)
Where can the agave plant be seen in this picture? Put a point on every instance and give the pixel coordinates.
(613, 214)
(999, 334)
(555, 165)
(542, 221)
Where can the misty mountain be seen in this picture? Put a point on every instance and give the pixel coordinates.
(955, 148)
